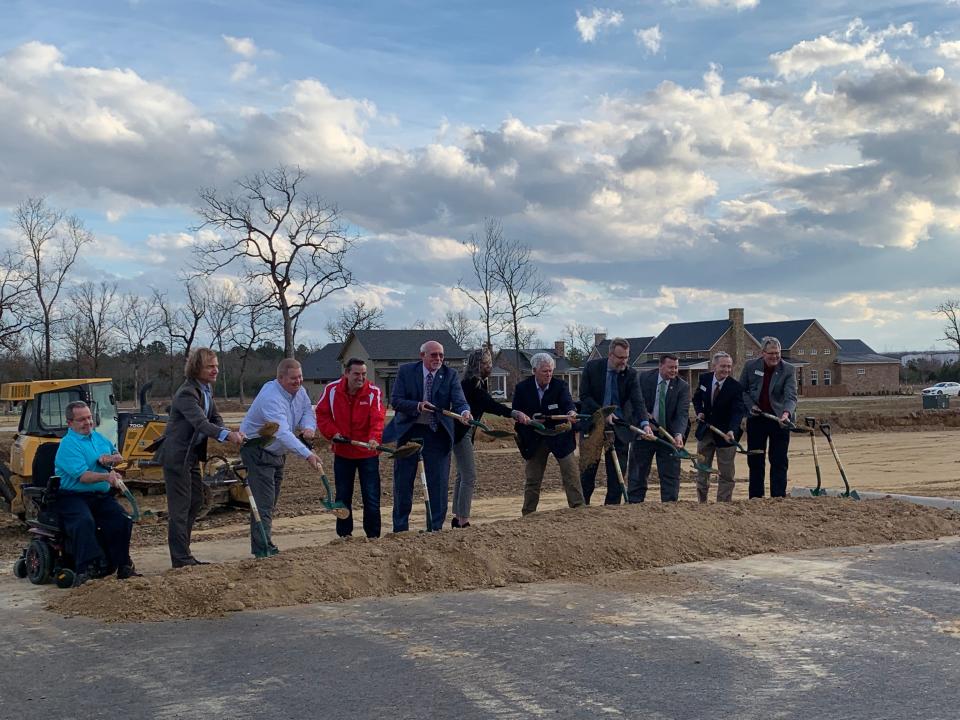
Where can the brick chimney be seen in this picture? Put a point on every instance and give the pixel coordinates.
(560, 348)
(599, 338)
(739, 338)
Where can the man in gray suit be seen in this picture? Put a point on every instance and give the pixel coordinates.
(769, 386)
(192, 419)
(667, 399)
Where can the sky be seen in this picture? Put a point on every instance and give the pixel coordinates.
(665, 160)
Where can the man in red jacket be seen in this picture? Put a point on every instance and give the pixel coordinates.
(352, 408)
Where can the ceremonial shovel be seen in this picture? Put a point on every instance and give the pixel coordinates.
(477, 424)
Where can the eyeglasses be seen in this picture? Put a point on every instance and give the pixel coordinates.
(437, 355)
(620, 357)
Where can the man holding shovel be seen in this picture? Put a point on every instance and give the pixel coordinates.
(607, 382)
(422, 391)
(352, 409)
(285, 402)
(769, 387)
(718, 402)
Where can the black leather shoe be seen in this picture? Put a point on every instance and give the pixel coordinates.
(80, 578)
(128, 571)
(455, 523)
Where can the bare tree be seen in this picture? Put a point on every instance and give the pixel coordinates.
(138, 319)
(95, 304)
(483, 289)
(461, 327)
(950, 310)
(356, 316)
(222, 301)
(291, 241)
(49, 244)
(255, 323)
(181, 323)
(526, 295)
(74, 333)
(14, 292)
(579, 339)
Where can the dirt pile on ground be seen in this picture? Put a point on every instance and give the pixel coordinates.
(916, 421)
(562, 544)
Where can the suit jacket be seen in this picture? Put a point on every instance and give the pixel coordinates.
(408, 393)
(593, 385)
(725, 414)
(783, 386)
(556, 401)
(188, 427)
(677, 401)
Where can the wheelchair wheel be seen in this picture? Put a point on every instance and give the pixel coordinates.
(39, 562)
(64, 578)
(20, 568)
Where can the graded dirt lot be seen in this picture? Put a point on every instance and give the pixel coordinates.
(904, 452)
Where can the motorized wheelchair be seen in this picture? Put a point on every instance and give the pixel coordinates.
(47, 555)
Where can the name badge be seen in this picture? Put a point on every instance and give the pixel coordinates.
(553, 407)
(758, 372)
(702, 389)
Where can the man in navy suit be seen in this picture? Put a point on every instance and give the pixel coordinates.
(718, 401)
(423, 390)
(547, 395)
(667, 398)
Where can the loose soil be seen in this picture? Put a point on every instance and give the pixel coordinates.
(560, 544)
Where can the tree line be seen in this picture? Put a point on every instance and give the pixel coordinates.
(288, 247)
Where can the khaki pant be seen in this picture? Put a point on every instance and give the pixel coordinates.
(725, 464)
(569, 475)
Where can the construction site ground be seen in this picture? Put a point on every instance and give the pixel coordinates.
(752, 609)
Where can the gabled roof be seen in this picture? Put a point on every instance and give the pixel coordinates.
(405, 344)
(688, 337)
(637, 346)
(858, 352)
(324, 364)
(510, 356)
(786, 331)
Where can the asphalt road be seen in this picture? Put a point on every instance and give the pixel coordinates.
(854, 633)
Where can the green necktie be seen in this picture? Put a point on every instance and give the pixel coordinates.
(662, 404)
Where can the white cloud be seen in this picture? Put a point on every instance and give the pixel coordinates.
(589, 26)
(244, 47)
(950, 49)
(724, 4)
(649, 38)
(241, 71)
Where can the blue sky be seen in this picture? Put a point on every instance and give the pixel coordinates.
(665, 159)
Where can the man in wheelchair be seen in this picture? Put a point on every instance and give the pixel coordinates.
(85, 502)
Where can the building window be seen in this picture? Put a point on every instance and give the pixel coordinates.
(861, 371)
(826, 351)
(814, 377)
(799, 351)
(826, 377)
(813, 351)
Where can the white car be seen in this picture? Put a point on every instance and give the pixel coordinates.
(943, 388)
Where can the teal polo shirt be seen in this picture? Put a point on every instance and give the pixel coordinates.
(76, 455)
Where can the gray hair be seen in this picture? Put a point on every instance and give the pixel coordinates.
(718, 356)
(75, 405)
(423, 348)
(769, 341)
(542, 358)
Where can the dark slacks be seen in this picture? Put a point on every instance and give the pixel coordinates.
(98, 531)
(765, 434)
(344, 471)
(264, 478)
(668, 468)
(184, 502)
(436, 460)
(588, 478)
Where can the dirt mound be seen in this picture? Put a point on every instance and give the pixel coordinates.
(545, 546)
(918, 420)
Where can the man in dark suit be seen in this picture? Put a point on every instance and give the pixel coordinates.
(547, 395)
(667, 400)
(422, 391)
(769, 386)
(610, 381)
(192, 419)
(718, 401)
